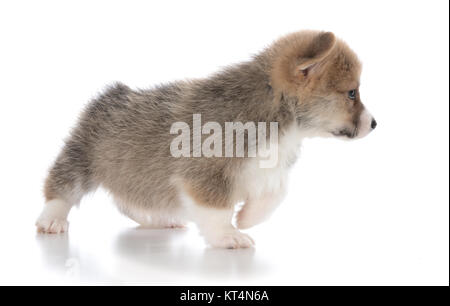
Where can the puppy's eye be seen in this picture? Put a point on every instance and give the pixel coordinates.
(352, 94)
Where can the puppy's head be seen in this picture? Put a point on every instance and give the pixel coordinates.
(323, 73)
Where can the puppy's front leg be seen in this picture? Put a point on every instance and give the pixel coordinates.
(258, 210)
(215, 226)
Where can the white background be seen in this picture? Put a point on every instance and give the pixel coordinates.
(374, 211)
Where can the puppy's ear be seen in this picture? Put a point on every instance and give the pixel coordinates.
(298, 56)
(319, 48)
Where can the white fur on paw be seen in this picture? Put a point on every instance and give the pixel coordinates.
(54, 226)
(232, 240)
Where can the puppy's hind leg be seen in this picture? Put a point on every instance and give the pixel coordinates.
(66, 183)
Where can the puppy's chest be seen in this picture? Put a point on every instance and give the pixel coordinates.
(256, 181)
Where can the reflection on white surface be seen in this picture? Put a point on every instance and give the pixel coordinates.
(147, 256)
(66, 262)
(166, 249)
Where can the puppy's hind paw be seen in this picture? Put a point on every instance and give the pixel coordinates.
(231, 240)
(54, 226)
(53, 219)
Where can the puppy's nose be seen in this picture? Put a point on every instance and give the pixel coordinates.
(373, 124)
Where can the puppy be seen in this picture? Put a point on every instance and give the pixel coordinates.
(128, 141)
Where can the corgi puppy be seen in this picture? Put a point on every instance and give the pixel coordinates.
(189, 151)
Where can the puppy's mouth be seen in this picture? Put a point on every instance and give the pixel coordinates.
(346, 133)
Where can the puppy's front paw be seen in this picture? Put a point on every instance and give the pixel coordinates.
(231, 240)
(52, 226)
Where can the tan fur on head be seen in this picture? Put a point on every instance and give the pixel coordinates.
(319, 70)
(295, 55)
